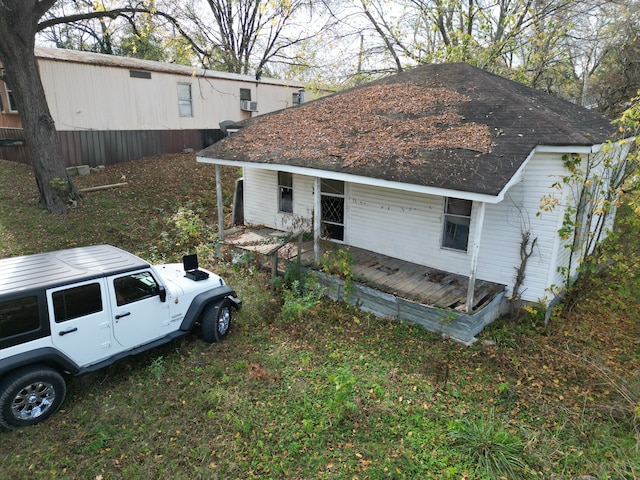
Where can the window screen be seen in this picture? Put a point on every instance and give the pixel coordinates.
(332, 209)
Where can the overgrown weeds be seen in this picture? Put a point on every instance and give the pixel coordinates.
(304, 387)
(301, 292)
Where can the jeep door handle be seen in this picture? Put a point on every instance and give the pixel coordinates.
(71, 330)
(118, 317)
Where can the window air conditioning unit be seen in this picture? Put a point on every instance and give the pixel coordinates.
(248, 106)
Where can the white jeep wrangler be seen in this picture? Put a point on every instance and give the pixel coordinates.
(75, 311)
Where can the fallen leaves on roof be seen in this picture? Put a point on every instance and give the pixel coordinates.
(390, 122)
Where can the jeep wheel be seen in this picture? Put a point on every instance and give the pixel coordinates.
(30, 395)
(216, 320)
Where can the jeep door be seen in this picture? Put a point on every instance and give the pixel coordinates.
(80, 321)
(139, 314)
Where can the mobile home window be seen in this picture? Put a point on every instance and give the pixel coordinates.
(139, 74)
(457, 219)
(185, 106)
(10, 98)
(12, 101)
(285, 192)
(245, 94)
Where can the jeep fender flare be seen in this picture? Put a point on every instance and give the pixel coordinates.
(44, 356)
(205, 298)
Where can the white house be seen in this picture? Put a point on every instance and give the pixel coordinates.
(109, 109)
(443, 166)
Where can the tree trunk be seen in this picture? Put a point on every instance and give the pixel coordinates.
(18, 21)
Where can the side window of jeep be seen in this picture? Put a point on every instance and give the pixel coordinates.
(134, 287)
(77, 302)
(18, 316)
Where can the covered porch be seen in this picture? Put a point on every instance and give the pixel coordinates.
(386, 286)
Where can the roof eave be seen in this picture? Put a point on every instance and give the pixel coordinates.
(359, 179)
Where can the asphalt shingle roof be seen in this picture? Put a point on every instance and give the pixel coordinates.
(450, 126)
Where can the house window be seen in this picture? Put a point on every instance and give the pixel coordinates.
(185, 106)
(1, 102)
(332, 209)
(245, 94)
(457, 219)
(285, 192)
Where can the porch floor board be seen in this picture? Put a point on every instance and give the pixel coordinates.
(407, 280)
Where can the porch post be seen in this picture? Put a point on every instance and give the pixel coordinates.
(475, 249)
(219, 203)
(317, 214)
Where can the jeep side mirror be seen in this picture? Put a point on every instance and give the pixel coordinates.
(162, 291)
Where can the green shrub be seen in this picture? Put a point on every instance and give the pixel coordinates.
(301, 292)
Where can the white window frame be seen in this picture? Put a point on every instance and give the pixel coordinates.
(453, 220)
(10, 100)
(185, 105)
(282, 189)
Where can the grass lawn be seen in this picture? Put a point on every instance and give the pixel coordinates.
(333, 393)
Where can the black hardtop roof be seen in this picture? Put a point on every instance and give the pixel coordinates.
(62, 267)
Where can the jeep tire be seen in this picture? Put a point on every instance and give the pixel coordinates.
(30, 395)
(216, 321)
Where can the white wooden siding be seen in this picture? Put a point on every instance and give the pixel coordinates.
(504, 223)
(261, 201)
(409, 225)
(403, 225)
(87, 96)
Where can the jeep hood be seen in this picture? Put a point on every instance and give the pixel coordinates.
(173, 275)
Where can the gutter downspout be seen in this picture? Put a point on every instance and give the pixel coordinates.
(475, 249)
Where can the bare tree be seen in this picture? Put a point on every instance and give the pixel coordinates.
(243, 36)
